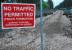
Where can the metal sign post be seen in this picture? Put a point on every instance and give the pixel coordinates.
(41, 25)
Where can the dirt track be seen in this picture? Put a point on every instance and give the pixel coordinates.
(29, 39)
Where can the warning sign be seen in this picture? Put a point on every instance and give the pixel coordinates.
(17, 15)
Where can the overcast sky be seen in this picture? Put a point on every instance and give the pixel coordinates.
(56, 2)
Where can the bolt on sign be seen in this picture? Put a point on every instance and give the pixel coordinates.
(17, 15)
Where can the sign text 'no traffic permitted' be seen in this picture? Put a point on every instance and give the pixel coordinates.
(17, 15)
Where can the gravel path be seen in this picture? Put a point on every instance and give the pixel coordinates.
(29, 39)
